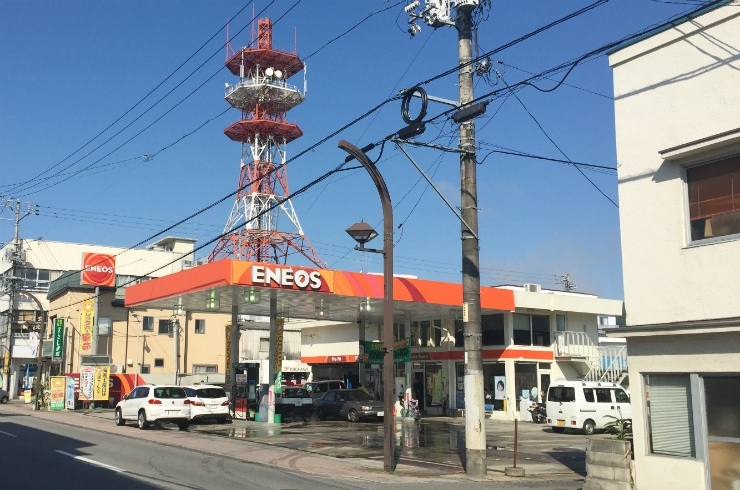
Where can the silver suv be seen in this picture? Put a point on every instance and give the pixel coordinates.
(147, 404)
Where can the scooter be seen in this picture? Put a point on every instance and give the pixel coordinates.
(412, 410)
(539, 413)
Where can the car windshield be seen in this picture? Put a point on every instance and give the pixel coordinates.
(190, 392)
(295, 393)
(358, 396)
(309, 387)
(211, 393)
(173, 392)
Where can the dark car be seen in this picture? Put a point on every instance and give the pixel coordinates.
(318, 388)
(352, 404)
(294, 402)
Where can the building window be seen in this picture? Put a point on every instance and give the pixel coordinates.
(425, 334)
(522, 333)
(541, 330)
(723, 428)
(459, 334)
(264, 344)
(714, 198)
(670, 415)
(158, 362)
(492, 329)
(145, 369)
(164, 326)
(560, 323)
(147, 324)
(205, 369)
(437, 333)
(200, 326)
(105, 333)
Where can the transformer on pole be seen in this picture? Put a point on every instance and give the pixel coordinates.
(254, 232)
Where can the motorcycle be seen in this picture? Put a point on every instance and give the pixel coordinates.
(539, 412)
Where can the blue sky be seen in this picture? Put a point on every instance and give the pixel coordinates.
(69, 69)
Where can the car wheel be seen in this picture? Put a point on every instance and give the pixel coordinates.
(119, 418)
(321, 414)
(143, 423)
(589, 427)
(4, 399)
(558, 430)
(183, 425)
(353, 416)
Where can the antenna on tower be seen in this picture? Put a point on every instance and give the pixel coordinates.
(567, 284)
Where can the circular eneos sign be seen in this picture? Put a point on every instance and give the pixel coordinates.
(98, 269)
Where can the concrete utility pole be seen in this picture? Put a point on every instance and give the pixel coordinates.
(16, 260)
(475, 429)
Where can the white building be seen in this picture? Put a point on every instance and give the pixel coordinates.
(677, 105)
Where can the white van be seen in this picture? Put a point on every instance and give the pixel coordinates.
(585, 405)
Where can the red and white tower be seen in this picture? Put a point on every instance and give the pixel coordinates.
(264, 97)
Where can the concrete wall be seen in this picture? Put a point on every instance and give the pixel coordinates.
(673, 88)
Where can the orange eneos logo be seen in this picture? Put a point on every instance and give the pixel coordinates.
(98, 269)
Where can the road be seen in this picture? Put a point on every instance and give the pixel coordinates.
(40, 454)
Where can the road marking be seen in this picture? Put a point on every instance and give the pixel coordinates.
(7, 433)
(87, 460)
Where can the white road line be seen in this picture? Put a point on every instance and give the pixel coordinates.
(86, 460)
(7, 433)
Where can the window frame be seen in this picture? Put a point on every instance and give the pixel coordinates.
(199, 322)
(263, 340)
(145, 369)
(144, 322)
(159, 362)
(207, 366)
(163, 321)
(707, 160)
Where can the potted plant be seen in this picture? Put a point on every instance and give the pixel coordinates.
(610, 460)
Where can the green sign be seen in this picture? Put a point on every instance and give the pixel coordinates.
(402, 351)
(374, 353)
(57, 349)
(279, 382)
(371, 352)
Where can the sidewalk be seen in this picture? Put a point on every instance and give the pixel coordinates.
(427, 451)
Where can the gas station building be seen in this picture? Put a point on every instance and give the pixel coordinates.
(523, 327)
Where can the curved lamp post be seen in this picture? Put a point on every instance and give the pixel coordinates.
(387, 251)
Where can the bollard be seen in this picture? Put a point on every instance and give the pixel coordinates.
(513, 470)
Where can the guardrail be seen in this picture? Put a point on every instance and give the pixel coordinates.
(575, 344)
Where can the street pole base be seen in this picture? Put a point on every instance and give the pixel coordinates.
(511, 471)
(475, 463)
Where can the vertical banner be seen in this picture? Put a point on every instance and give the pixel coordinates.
(57, 350)
(57, 385)
(402, 350)
(228, 355)
(69, 393)
(87, 380)
(101, 383)
(87, 320)
(279, 325)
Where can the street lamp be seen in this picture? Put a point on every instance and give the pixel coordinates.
(365, 233)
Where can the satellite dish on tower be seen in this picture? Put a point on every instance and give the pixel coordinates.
(269, 72)
(278, 74)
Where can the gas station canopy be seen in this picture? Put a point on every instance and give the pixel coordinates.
(303, 292)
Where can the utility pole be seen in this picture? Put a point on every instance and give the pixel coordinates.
(20, 210)
(437, 13)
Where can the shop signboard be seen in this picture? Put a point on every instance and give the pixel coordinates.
(500, 383)
(101, 383)
(58, 345)
(279, 382)
(69, 393)
(402, 350)
(371, 352)
(279, 324)
(98, 269)
(87, 319)
(57, 386)
(87, 380)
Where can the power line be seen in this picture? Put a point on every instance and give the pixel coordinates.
(538, 157)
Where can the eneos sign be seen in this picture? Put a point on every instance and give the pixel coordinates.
(98, 269)
(287, 277)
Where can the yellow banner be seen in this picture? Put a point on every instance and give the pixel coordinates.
(87, 321)
(101, 383)
(228, 355)
(279, 325)
(57, 386)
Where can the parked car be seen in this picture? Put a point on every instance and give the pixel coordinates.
(585, 405)
(148, 404)
(4, 397)
(318, 388)
(208, 402)
(352, 404)
(294, 402)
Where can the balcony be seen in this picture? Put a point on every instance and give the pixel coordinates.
(593, 362)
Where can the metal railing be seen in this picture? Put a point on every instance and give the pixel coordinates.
(247, 82)
(575, 344)
(612, 365)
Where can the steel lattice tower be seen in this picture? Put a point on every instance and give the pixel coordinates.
(264, 97)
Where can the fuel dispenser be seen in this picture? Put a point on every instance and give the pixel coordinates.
(246, 393)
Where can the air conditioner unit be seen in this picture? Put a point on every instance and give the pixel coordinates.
(186, 264)
(116, 368)
(532, 288)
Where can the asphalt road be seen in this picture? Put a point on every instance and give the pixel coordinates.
(38, 454)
